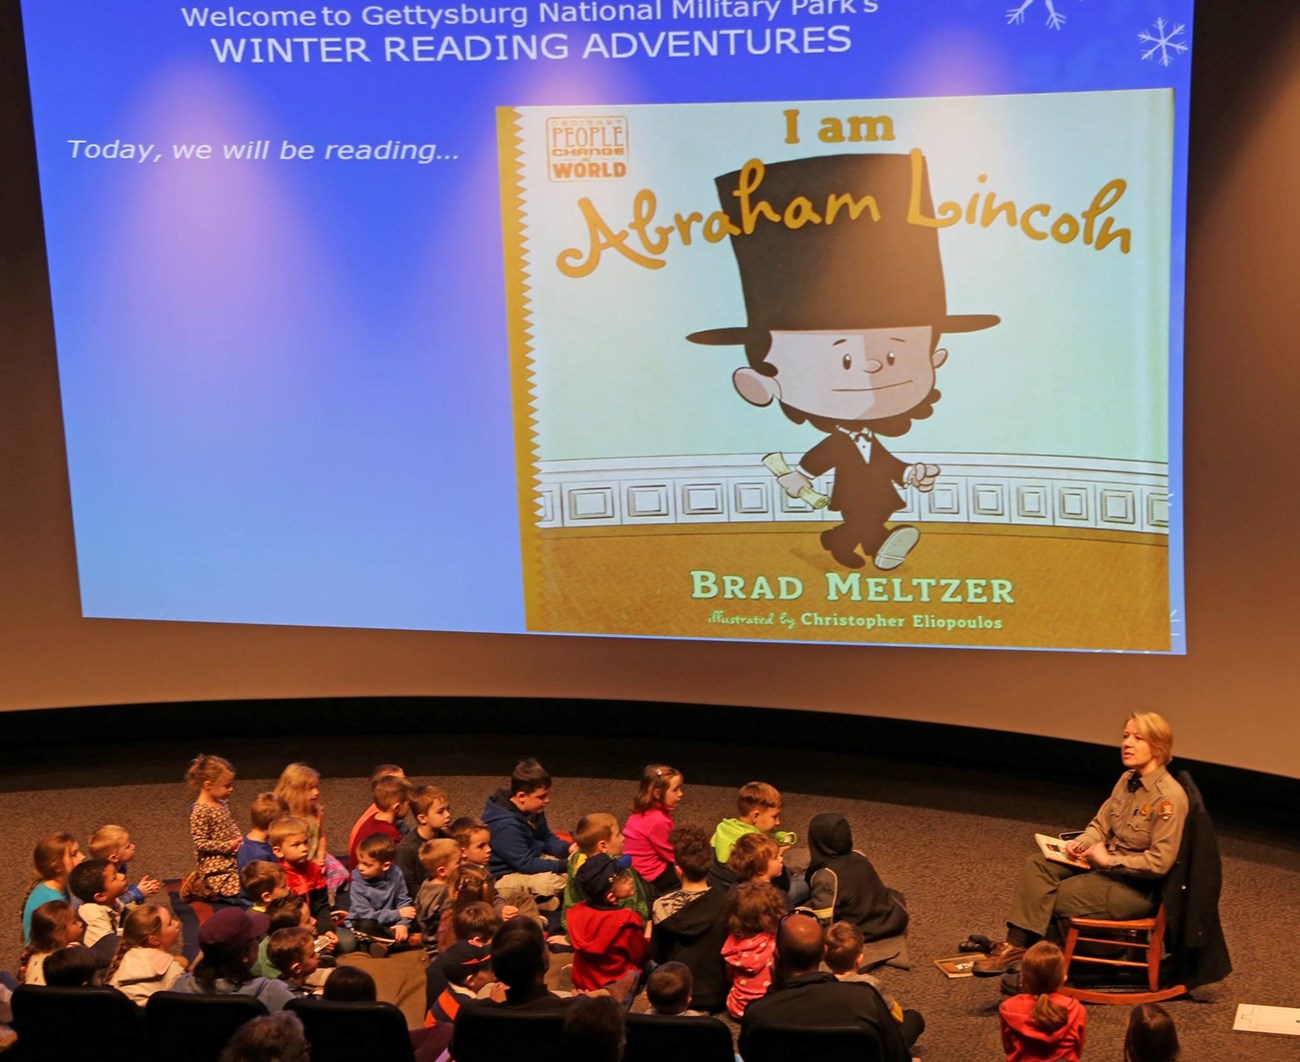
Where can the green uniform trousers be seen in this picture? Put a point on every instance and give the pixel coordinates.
(1048, 890)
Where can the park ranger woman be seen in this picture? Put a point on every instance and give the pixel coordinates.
(1130, 845)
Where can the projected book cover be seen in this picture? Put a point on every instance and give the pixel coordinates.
(869, 370)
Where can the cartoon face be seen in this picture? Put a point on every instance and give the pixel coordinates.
(859, 374)
(622, 887)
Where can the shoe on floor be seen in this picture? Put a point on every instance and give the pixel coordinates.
(976, 942)
(998, 961)
(894, 550)
(378, 951)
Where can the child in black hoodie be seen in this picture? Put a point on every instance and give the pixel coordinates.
(845, 886)
(690, 923)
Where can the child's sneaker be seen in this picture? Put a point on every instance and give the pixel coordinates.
(377, 946)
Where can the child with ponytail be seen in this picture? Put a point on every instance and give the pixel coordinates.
(54, 858)
(648, 827)
(213, 831)
(144, 963)
(1041, 1022)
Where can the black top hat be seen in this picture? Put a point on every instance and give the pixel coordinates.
(851, 273)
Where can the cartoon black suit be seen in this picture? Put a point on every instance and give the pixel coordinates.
(846, 306)
(864, 491)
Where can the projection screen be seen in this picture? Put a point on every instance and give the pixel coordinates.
(327, 280)
(585, 319)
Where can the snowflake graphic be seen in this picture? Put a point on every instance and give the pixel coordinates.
(1016, 15)
(1164, 41)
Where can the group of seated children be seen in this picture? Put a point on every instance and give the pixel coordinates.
(689, 914)
(692, 916)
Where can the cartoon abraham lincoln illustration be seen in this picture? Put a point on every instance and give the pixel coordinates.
(844, 322)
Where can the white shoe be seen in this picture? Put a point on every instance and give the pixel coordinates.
(894, 550)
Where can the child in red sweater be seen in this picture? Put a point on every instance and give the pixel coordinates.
(608, 940)
(1041, 1023)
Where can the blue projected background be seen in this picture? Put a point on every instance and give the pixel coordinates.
(285, 373)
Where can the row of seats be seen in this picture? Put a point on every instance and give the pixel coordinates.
(61, 1024)
(485, 1034)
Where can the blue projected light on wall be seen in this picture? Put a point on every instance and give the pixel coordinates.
(854, 321)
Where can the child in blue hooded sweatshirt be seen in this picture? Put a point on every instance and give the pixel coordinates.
(527, 858)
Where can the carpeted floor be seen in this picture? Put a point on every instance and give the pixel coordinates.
(952, 840)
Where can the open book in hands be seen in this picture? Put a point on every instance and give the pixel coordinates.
(1056, 850)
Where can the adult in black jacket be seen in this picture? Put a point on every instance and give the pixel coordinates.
(803, 997)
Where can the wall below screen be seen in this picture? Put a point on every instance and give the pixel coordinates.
(1230, 699)
(804, 751)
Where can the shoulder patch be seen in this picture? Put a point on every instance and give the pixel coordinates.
(1166, 810)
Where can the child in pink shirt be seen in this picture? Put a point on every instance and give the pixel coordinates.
(650, 824)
